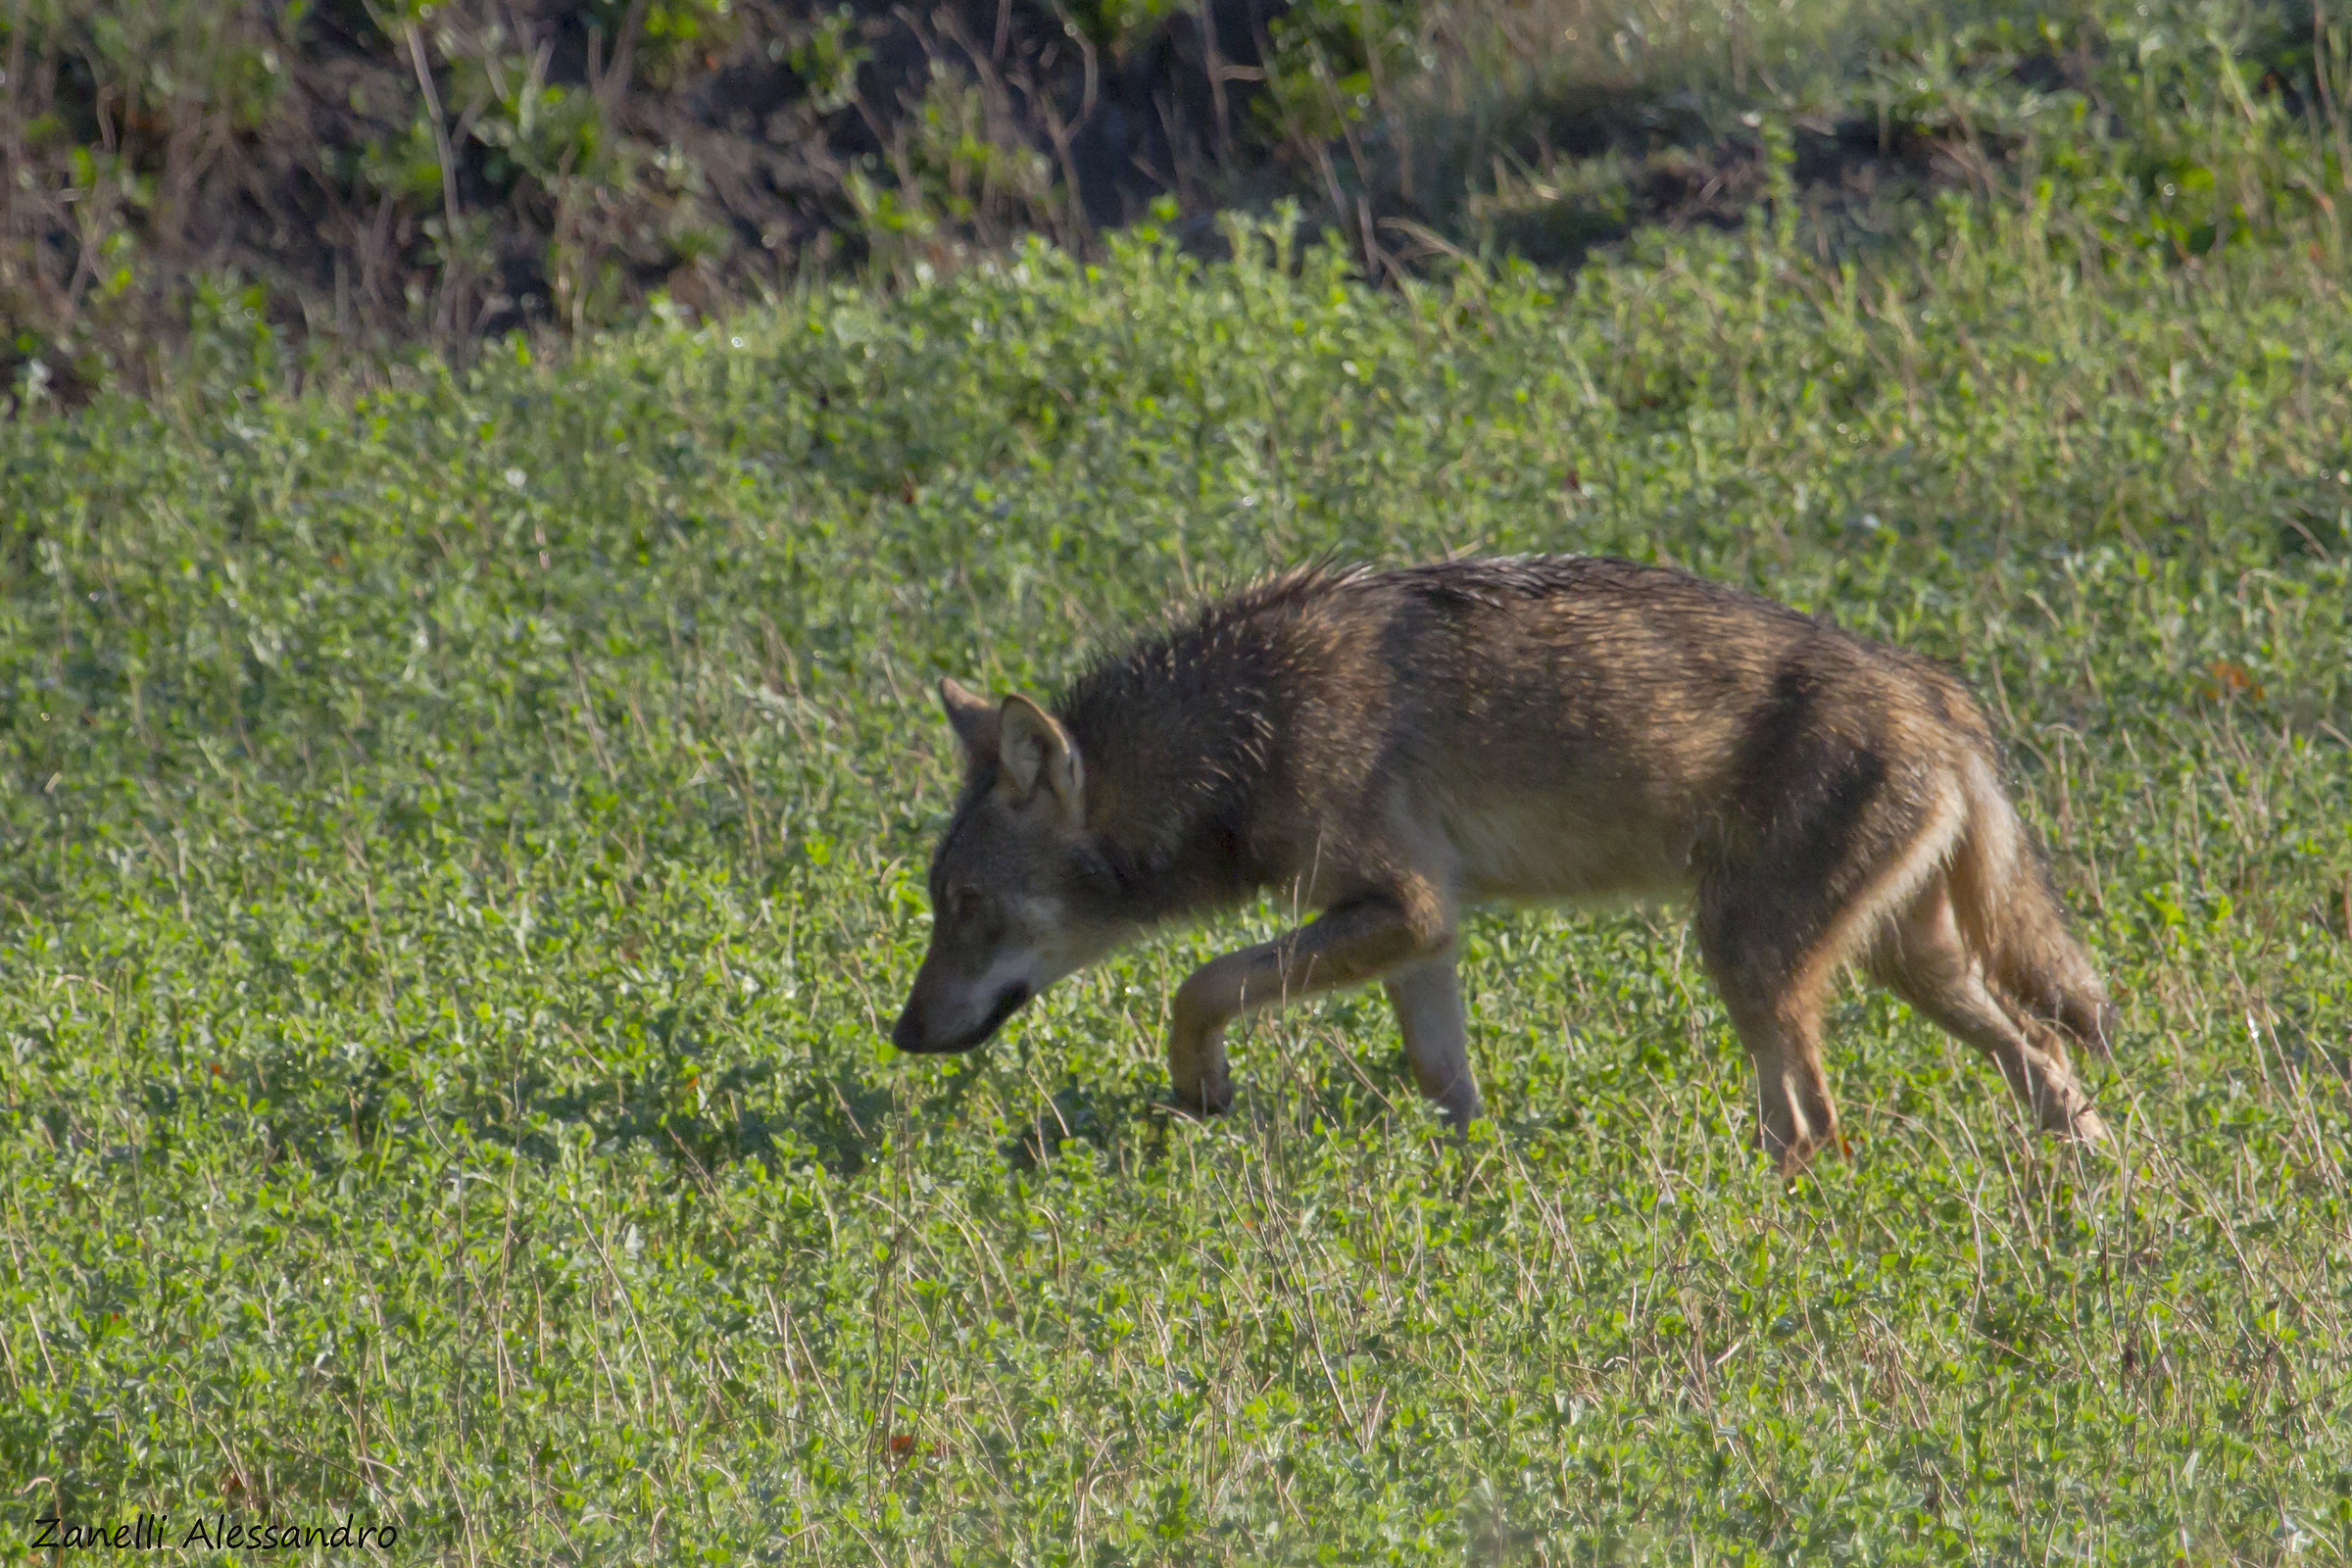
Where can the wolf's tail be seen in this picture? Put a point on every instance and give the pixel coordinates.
(2011, 919)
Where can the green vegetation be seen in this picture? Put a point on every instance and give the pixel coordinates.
(464, 844)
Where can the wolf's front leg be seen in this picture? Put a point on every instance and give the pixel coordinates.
(1345, 947)
(1428, 999)
(1197, 1077)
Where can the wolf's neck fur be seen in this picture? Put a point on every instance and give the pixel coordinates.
(1178, 736)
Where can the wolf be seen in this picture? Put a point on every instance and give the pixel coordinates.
(1388, 747)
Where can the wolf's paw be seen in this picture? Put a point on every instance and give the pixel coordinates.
(2088, 1128)
(1791, 1154)
(1200, 1101)
(1199, 1082)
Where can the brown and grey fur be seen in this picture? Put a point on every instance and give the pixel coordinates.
(1389, 745)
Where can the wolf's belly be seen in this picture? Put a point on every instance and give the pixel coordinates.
(1544, 852)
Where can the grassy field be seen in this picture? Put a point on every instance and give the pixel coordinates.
(463, 847)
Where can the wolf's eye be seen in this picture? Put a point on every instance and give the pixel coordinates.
(964, 903)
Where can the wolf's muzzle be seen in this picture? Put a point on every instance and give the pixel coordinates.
(910, 1037)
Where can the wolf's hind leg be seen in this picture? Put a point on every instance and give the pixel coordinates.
(1428, 999)
(1923, 958)
(1776, 924)
(1770, 962)
(1781, 1026)
(1346, 945)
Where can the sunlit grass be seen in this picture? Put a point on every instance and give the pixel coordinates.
(461, 849)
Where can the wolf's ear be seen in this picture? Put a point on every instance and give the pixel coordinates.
(1033, 750)
(974, 718)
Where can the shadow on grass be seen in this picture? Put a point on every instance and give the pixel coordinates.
(1123, 1124)
(771, 1108)
(838, 1118)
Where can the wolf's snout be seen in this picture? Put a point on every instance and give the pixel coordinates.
(913, 1033)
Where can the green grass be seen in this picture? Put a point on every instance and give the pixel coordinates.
(462, 848)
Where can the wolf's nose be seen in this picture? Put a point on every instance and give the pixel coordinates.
(908, 1033)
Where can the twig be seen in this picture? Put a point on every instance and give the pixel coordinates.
(432, 105)
(450, 265)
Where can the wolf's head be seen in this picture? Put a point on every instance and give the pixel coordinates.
(1016, 885)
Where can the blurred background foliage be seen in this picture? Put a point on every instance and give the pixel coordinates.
(309, 184)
